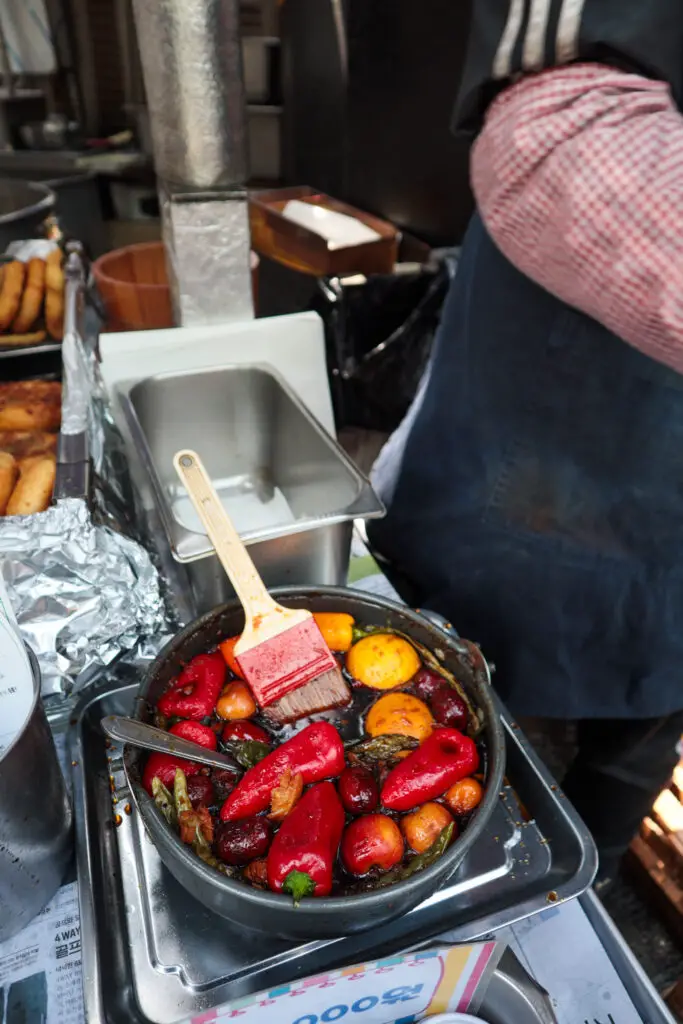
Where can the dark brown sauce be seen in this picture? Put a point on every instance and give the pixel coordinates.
(349, 721)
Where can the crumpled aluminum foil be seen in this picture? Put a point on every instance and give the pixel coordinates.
(208, 252)
(192, 65)
(75, 389)
(86, 594)
(82, 593)
(77, 381)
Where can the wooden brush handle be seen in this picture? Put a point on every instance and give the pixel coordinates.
(264, 618)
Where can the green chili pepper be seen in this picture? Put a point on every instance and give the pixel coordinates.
(203, 849)
(247, 753)
(381, 748)
(180, 795)
(474, 716)
(164, 801)
(204, 853)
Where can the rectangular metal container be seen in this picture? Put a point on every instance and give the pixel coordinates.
(290, 489)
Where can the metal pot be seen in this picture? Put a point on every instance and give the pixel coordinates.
(23, 209)
(315, 918)
(35, 820)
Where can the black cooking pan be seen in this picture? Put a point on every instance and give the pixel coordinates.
(316, 918)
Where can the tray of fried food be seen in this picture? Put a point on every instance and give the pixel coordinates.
(32, 301)
(30, 414)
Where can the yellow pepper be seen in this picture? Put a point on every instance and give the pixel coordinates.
(336, 628)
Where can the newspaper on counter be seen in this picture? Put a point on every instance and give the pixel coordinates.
(562, 952)
(40, 968)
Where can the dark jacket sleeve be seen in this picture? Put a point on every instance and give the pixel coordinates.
(510, 38)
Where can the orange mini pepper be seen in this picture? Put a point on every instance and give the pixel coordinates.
(336, 628)
(227, 649)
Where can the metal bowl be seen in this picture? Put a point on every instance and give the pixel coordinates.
(342, 915)
(23, 208)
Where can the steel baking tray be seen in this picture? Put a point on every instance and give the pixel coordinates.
(647, 1001)
(153, 955)
(31, 350)
(44, 362)
(32, 356)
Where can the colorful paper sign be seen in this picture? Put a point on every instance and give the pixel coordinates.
(396, 990)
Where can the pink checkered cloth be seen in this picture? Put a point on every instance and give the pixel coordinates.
(578, 174)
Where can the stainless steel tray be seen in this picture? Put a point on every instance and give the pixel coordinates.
(153, 955)
(42, 362)
(37, 349)
(74, 288)
(647, 1001)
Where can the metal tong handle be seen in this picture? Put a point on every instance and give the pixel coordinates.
(264, 618)
(139, 734)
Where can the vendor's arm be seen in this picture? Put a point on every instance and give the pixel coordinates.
(578, 174)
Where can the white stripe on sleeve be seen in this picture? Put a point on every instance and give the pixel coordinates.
(502, 63)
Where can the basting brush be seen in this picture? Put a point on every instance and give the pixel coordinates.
(282, 654)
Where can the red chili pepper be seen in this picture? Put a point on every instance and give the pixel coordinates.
(302, 855)
(444, 758)
(242, 730)
(195, 692)
(163, 766)
(316, 753)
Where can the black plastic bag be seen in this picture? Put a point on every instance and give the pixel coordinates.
(379, 332)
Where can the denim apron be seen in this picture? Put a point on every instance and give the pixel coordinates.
(537, 499)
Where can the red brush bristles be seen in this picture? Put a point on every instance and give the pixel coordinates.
(286, 662)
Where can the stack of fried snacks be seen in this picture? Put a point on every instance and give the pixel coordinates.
(24, 444)
(32, 300)
(30, 413)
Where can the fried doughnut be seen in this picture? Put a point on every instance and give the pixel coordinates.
(54, 275)
(54, 295)
(54, 314)
(26, 444)
(16, 340)
(10, 296)
(9, 473)
(43, 389)
(33, 493)
(30, 405)
(32, 299)
(25, 464)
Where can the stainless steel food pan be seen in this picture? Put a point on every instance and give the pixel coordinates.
(288, 486)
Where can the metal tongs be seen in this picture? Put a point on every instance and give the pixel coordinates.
(139, 734)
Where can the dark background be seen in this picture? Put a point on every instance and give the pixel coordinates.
(374, 128)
